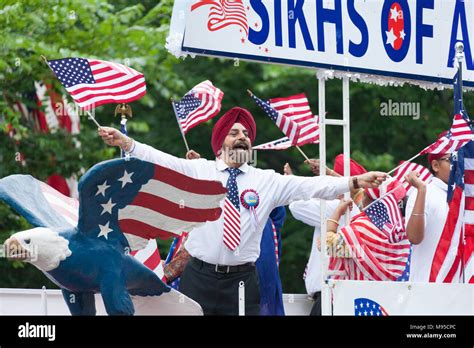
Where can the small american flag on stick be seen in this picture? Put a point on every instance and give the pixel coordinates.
(200, 104)
(94, 82)
(296, 108)
(289, 127)
(459, 135)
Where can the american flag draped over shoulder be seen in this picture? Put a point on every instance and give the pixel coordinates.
(224, 13)
(376, 242)
(200, 104)
(93, 82)
(373, 254)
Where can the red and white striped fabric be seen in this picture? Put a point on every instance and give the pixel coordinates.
(68, 208)
(231, 225)
(93, 82)
(150, 257)
(297, 109)
(57, 113)
(453, 260)
(372, 255)
(224, 13)
(280, 144)
(275, 240)
(168, 204)
(408, 167)
(459, 135)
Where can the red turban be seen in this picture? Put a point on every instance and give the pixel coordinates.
(224, 125)
(355, 168)
(435, 156)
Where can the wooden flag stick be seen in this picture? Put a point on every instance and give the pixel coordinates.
(301, 151)
(394, 169)
(179, 124)
(93, 119)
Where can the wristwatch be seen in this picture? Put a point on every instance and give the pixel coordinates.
(355, 184)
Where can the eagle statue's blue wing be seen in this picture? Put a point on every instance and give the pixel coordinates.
(38, 203)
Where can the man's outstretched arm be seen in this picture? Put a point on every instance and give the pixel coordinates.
(114, 137)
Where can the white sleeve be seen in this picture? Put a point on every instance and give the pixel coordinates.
(307, 212)
(289, 188)
(150, 154)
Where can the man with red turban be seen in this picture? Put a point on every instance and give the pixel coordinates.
(224, 251)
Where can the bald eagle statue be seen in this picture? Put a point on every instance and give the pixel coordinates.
(85, 247)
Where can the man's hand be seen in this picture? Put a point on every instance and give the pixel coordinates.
(315, 167)
(414, 180)
(370, 179)
(112, 136)
(342, 207)
(287, 169)
(191, 154)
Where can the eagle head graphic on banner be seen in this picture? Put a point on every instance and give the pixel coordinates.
(85, 247)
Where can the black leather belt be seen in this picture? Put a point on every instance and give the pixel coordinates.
(246, 267)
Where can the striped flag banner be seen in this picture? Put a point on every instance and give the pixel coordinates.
(94, 82)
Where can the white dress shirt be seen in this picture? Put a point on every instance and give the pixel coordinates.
(308, 212)
(436, 211)
(274, 190)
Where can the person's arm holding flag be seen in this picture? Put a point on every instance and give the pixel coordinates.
(416, 220)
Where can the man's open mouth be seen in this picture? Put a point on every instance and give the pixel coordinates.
(241, 147)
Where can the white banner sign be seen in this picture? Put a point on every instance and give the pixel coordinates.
(397, 39)
(365, 298)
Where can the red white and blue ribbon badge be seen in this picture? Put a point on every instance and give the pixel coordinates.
(250, 200)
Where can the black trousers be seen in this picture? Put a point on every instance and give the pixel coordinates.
(316, 310)
(218, 293)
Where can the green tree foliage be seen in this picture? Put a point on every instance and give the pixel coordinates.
(134, 33)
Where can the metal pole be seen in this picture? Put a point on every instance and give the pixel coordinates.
(241, 298)
(459, 57)
(123, 130)
(346, 135)
(325, 291)
(44, 301)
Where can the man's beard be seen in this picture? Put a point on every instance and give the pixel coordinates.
(239, 153)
